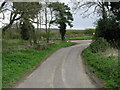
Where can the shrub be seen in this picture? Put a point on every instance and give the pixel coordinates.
(99, 45)
(106, 68)
(109, 29)
(16, 36)
(26, 27)
(11, 34)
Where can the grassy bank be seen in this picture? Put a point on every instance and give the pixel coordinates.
(106, 67)
(17, 63)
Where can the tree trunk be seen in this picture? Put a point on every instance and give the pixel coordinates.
(62, 37)
(47, 38)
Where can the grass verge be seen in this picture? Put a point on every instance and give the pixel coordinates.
(105, 67)
(17, 63)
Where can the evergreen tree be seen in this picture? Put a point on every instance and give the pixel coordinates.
(63, 17)
(26, 28)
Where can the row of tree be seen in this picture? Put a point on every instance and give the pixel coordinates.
(39, 13)
(49, 13)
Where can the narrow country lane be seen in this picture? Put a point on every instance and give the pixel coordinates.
(63, 69)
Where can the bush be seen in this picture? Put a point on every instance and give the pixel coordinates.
(26, 27)
(11, 34)
(109, 29)
(99, 45)
(16, 36)
(106, 68)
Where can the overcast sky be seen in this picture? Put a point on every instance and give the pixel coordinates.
(79, 22)
(83, 23)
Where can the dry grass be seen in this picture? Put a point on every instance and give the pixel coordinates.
(111, 52)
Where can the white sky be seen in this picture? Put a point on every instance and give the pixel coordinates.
(78, 23)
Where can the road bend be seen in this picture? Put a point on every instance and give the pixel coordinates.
(63, 69)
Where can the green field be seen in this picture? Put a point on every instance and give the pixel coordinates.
(81, 38)
(53, 35)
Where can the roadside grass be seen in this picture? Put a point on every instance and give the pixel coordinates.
(81, 38)
(17, 63)
(105, 67)
(13, 43)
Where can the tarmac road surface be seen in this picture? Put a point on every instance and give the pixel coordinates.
(63, 69)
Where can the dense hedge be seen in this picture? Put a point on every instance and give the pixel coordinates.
(99, 45)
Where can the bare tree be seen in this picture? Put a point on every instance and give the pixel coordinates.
(99, 6)
(3, 4)
(48, 16)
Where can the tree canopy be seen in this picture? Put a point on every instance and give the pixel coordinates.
(63, 17)
(23, 10)
(108, 25)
